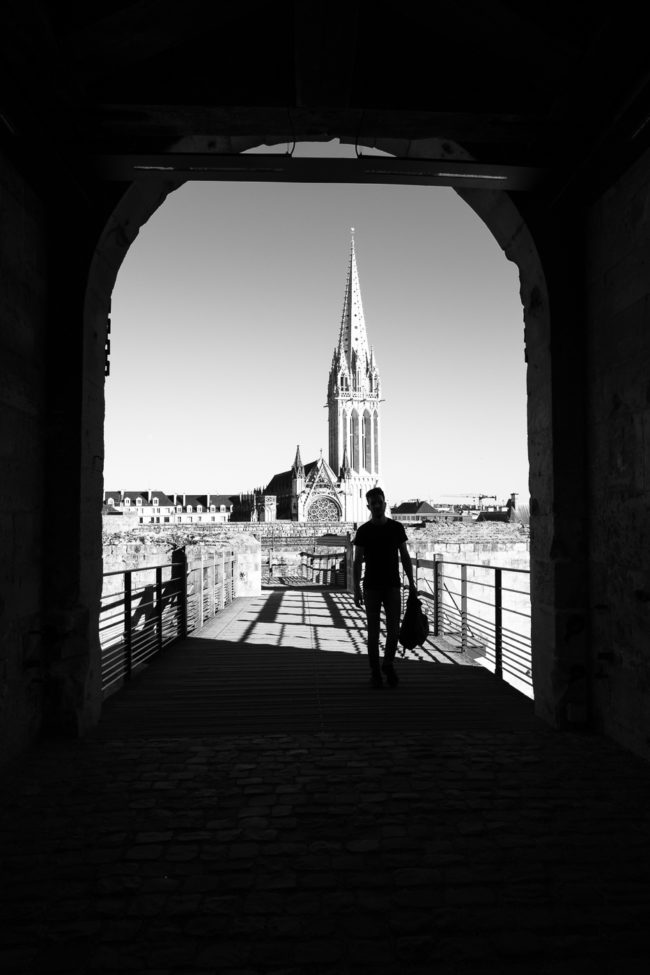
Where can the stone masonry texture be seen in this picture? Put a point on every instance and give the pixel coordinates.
(479, 852)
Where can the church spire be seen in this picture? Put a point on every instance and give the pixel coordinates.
(353, 339)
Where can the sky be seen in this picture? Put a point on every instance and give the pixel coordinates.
(226, 312)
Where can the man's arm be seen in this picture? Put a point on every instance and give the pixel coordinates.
(408, 566)
(356, 571)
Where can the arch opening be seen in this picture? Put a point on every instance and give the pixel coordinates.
(496, 211)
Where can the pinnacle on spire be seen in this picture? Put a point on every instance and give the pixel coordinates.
(345, 463)
(298, 470)
(352, 334)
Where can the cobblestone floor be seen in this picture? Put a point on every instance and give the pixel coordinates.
(331, 853)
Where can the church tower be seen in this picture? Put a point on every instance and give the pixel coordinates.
(353, 397)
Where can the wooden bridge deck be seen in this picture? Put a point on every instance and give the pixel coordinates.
(294, 660)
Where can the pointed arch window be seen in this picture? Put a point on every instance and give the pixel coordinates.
(354, 441)
(366, 441)
(375, 434)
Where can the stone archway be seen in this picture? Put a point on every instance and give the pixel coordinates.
(506, 223)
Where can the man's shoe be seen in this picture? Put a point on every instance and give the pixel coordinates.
(376, 680)
(391, 676)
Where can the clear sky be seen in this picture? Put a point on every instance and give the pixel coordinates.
(226, 312)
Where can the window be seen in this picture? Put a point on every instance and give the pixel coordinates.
(110, 501)
(179, 507)
(222, 507)
(166, 520)
(138, 500)
(189, 508)
(212, 508)
(199, 508)
(213, 518)
(156, 501)
(127, 501)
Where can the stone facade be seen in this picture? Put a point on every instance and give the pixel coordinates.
(159, 508)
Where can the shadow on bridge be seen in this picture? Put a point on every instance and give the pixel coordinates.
(295, 661)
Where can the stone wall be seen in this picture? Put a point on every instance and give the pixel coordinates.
(618, 279)
(115, 529)
(141, 552)
(23, 300)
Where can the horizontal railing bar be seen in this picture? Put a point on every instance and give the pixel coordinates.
(516, 634)
(118, 602)
(142, 568)
(483, 602)
(478, 565)
(517, 592)
(515, 659)
(516, 612)
(518, 651)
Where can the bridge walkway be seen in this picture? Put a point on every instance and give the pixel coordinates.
(249, 806)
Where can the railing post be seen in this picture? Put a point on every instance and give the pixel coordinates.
(436, 596)
(463, 607)
(213, 585)
(179, 573)
(128, 649)
(159, 609)
(201, 596)
(222, 599)
(498, 632)
(440, 599)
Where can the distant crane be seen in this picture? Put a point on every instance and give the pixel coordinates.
(475, 496)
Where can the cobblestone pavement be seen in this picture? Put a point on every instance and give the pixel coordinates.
(330, 853)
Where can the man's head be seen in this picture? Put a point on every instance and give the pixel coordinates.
(376, 502)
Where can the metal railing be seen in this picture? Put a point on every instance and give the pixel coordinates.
(145, 609)
(482, 610)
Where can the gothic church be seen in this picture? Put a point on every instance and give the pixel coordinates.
(333, 491)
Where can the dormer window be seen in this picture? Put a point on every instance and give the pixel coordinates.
(138, 500)
(179, 508)
(199, 507)
(156, 501)
(189, 508)
(127, 501)
(110, 501)
(212, 508)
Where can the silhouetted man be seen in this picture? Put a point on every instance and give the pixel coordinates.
(378, 543)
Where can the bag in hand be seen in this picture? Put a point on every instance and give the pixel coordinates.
(415, 625)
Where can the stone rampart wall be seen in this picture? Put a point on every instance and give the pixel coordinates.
(23, 308)
(618, 358)
(456, 533)
(139, 553)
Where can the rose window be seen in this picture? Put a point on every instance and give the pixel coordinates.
(323, 509)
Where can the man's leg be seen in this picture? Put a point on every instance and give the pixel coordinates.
(372, 601)
(393, 607)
